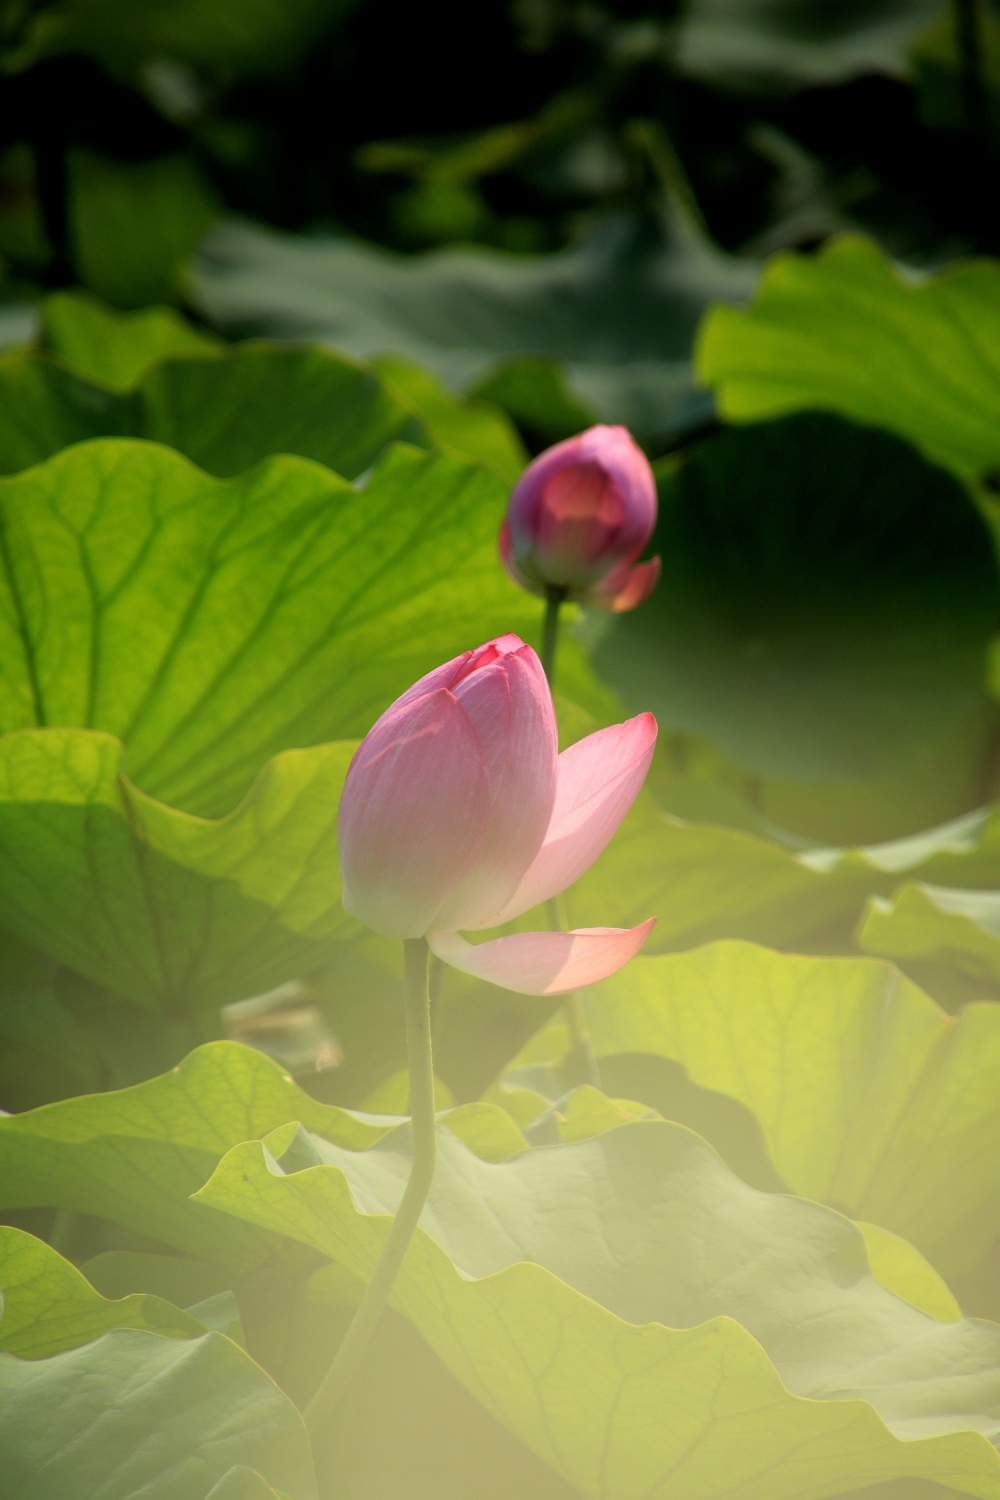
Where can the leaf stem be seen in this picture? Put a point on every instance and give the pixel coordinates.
(422, 1123)
(583, 1047)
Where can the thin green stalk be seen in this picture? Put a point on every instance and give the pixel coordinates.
(422, 1123)
(583, 1047)
(550, 634)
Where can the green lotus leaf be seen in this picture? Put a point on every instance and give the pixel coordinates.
(899, 1266)
(209, 624)
(824, 615)
(175, 912)
(869, 1096)
(949, 935)
(113, 347)
(617, 310)
(48, 1305)
(703, 882)
(134, 1413)
(308, 401)
(578, 1291)
(176, 384)
(845, 331)
(136, 1155)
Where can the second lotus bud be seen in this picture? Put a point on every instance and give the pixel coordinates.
(578, 518)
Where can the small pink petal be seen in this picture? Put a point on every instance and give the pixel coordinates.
(413, 814)
(599, 779)
(625, 588)
(544, 963)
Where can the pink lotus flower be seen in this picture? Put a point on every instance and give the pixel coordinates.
(578, 518)
(458, 814)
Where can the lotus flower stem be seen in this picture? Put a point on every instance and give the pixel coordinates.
(550, 635)
(423, 1126)
(583, 1047)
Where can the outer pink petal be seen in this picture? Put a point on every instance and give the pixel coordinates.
(624, 588)
(544, 963)
(510, 705)
(599, 779)
(413, 814)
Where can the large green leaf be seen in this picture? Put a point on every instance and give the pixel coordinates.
(869, 1096)
(48, 1305)
(824, 614)
(136, 1155)
(578, 1291)
(308, 401)
(950, 935)
(844, 331)
(209, 624)
(113, 347)
(618, 310)
(135, 1414)
(175, 912)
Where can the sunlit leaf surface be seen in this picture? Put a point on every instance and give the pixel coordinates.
(844, 331)
(48, 1305)
(869, 1096)
(578, 1290)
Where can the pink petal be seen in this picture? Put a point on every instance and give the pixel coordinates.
(544, 963)
(510, 705)
(624, 588)
(599, 779)
(413, 815)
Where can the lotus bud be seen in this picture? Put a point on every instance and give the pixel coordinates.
(578, 518)
(458, 814)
